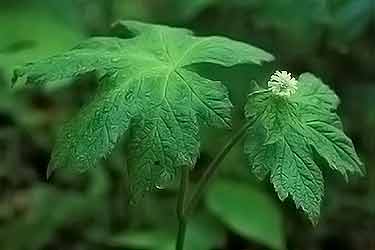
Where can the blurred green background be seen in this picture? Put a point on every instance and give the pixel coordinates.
(335, 39)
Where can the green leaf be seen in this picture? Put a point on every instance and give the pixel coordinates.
(146, 91)
(290, 138)
(247, 212)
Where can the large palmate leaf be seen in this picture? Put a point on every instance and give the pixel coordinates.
(291, 137)
(146, 91)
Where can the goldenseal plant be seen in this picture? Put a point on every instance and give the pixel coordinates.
(148, 92)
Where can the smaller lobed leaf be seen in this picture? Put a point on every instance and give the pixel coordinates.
(289, 135)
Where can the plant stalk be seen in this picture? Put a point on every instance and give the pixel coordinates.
(212, 167)
(184, 186)
(184, 207)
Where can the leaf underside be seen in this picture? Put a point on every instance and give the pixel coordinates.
(148, 93)
(290, 138)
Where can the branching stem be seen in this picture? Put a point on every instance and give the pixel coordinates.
(211, 169)
(184, 207)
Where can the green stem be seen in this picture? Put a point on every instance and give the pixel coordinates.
(185, 208)
(211, 169)
(184, 186)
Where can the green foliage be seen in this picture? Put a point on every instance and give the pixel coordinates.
(148, 92)
(289, 138)
(202, 233)
(282, 16)
(351, 18)
(189, 9)
(46, 209)
(32, 32)
(247, 211)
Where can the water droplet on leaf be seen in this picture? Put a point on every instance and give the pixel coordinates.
(164, 180)
(160, 187)
(115, 60)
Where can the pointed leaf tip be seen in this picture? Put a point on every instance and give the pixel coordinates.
(50, 171)
(14, 78)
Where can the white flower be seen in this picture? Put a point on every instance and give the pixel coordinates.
(282, 84)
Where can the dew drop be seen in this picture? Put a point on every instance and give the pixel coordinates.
(164, 181)
(115, 60)
(81, 158)
(160, 187)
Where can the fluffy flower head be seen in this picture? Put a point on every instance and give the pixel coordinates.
(283, 84)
